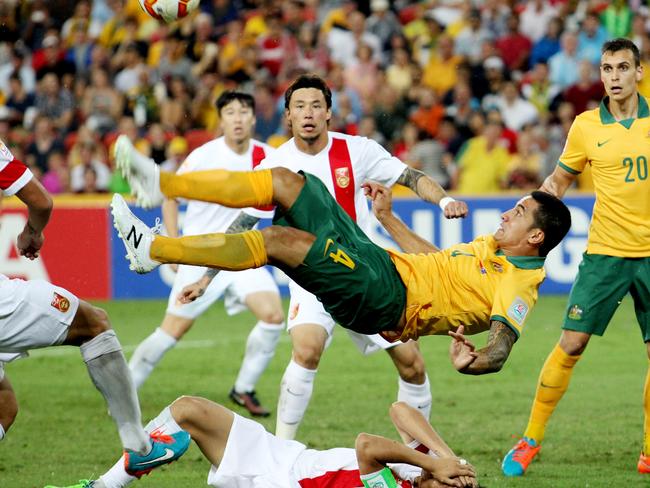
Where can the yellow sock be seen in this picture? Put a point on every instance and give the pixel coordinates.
(235, 189)
(646, 412)
(231, 252)
(553, 382)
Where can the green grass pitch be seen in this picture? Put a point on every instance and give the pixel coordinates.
(63, 432)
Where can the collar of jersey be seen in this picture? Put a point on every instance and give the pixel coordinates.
(523, 262)
(607, 118)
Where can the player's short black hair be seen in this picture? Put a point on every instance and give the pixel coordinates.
(231, 95)
(553, 218)
(308, 81)
(621, 44)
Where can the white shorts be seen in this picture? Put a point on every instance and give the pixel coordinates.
(41, 318)
(304, 308)
(236, 285)
(254, 458)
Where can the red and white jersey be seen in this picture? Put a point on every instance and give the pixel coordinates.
(343, 166)
(13, 173)
(205, 218)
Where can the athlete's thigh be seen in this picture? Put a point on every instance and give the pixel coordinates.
(601, 284)
(186, 275)
(244, 284)
(41, 318)
(640, 292)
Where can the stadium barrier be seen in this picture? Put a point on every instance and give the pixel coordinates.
(83, 254)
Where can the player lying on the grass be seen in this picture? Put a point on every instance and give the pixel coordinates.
(35, 314)
(490, 283)
(243, 453)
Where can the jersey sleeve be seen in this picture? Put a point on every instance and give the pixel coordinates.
(14, 175)
(380, 165)
(513, 301)
(574, 156)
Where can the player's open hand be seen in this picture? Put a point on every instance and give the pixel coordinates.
(381, 197)
(461, 350)
(29, 243)
(452, 472)
(455, 210)
(191, 292)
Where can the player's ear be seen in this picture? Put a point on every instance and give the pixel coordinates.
(639, 73)
(536, 237)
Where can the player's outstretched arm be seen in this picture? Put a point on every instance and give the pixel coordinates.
(558, 182)
(490, 359)
(374, 452)
(405, 238)
(191, 292)
(429, 190)
(39, 205)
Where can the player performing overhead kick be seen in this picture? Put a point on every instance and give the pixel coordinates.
(489, 283)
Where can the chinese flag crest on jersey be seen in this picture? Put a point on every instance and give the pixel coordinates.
(61, 303)
(342, 176)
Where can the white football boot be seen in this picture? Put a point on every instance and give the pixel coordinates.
(142, 173)
(135, 235)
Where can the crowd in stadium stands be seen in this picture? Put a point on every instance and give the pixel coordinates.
(478, 94)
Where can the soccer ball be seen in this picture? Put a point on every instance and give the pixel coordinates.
(169, 10)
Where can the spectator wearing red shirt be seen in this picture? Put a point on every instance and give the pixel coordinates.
(587, 89)
(514, 47)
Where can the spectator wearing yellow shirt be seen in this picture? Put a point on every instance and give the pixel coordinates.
(440, 71)
(482, 163)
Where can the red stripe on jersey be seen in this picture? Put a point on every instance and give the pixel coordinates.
(341, 479)
(342, 176)
(334, 479)
(258, 157)
(11, 173)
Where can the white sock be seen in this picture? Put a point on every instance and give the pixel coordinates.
(417, 396)
(148, 354)
(117, 477)
(295, 392)
(2, 432)
(260, 348)
(110, 374)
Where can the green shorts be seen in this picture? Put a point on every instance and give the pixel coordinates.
(355, 279)
(601, 284)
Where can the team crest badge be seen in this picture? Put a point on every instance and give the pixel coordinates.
(518, 311)
(575, 312)
(61, 303)
(342, 176)
(294, 311)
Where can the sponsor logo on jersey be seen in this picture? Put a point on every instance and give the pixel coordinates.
(498, 267)
(518, 311)
(575, 312)
(342, 177)
(61, 303)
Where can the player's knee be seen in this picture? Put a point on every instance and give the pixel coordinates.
(98, 321)
(184, 409)
(574, 343)
(272, 315)
(307, 355)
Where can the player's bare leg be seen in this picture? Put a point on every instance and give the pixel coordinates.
(413, 384)
(8, 406)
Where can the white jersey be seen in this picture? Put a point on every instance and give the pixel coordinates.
(206, 218)
(14, 175)
(343, 166)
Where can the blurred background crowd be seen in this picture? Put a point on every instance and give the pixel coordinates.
(478, 94)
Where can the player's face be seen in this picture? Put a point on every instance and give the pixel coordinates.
(619, 75)
(237, 121)
(517, 223)
(308, 114)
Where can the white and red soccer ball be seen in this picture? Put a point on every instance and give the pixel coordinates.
(169, 10)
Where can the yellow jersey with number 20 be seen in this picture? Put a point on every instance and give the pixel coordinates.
(618, 153)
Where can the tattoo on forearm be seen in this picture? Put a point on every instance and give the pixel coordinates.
(211, 273)
(500, 341)
(410, 177)
(242, 223)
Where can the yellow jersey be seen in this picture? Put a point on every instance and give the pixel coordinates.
(618, 154)
(467, 284)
